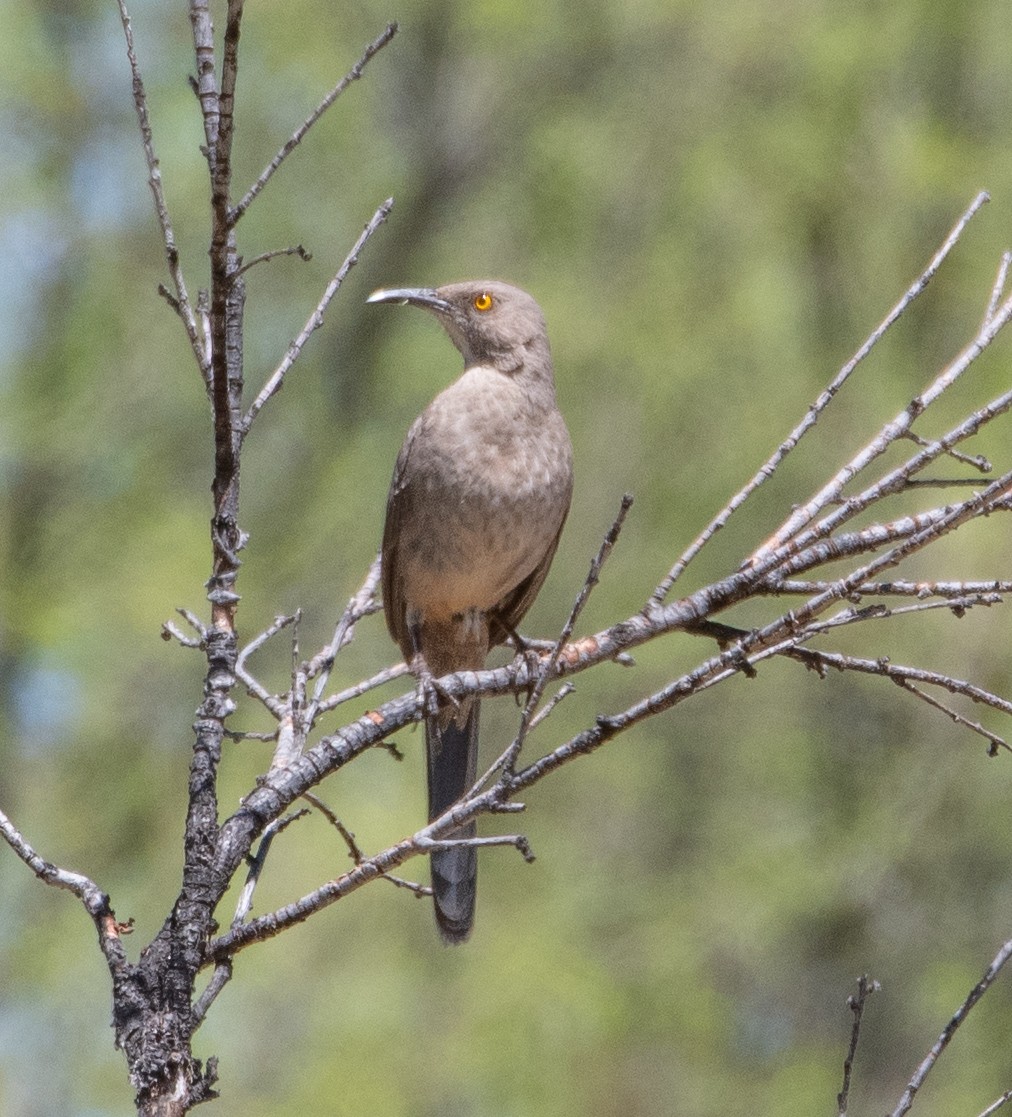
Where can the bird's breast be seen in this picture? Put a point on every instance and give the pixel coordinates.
(487, 489)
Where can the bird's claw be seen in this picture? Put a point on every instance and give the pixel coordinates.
(429, 690)
(533, 661)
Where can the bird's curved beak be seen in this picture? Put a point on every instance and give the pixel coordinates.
(426, 297)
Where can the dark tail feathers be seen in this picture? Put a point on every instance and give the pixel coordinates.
(452, 762)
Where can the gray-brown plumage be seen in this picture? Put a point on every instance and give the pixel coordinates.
(478, 499)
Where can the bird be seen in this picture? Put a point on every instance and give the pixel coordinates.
(480, 493)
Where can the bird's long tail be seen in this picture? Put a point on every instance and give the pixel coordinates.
(452, 761)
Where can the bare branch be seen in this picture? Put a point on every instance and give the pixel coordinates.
(205, 84)
(366, 733)
(253, 687)
(897, 428)
(812, 547)
(778, 637)
(297, 136)
(315, 320)
(976, 461)
(215, 852)
(179, 300)
(381, 678)
(905, 677)
(257, 862)
(221, 976)
(989, 590)
(86, 890)
(949, 1030)
(820, 404)
(229, 77)
(999, 287)
(545, 712)
(865, 988)
(362, 604)
(881, 612)
(250, 735)
(997, 1104)
(994, 741)
(517, 841)
(295, 250)
(354, 851)
(368, 869)
(95, 901)
(170, 631)
(509, 757)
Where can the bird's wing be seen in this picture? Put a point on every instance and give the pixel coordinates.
(509, 612)
(393, 601)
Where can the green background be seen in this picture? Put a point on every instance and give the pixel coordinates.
(714, 202)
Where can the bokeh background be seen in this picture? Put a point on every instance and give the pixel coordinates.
(714, 202)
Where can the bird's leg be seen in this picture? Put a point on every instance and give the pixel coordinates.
(418, 666)
(528, 653)
(429, 689)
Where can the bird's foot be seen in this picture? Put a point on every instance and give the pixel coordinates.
(429, 690)
(533, 659)
(530, 655)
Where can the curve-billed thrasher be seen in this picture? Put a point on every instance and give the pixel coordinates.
(478, 499)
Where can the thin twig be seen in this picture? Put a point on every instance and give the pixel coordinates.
(257, 862)
(563, 692)
(295, 250)
(170, 631)
(221, 976)
(978, 991)
(250, 735)
(516, 841)
(297, 136)
(974, 461)
(508, 760)
(95, 901)
(865, 988)
(180, 300)
(315, 320)
(85, 889)
(905, 677)
(256, 689)
(268, 926)
(997, 1104)
(778, 638)
(381, 678)
(990, 589)
(999, 287)
(193, 621)
(362, 604)
(994, 741)
(349, 838)
(770, 466)
(816, 546)
(897, 479)
(881, 612)
(355, 851)
(940, 483)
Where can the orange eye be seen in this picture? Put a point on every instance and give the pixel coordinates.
(482, 301)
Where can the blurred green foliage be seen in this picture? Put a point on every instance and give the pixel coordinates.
(714, 203)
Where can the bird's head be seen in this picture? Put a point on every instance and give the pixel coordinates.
(490, 322)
